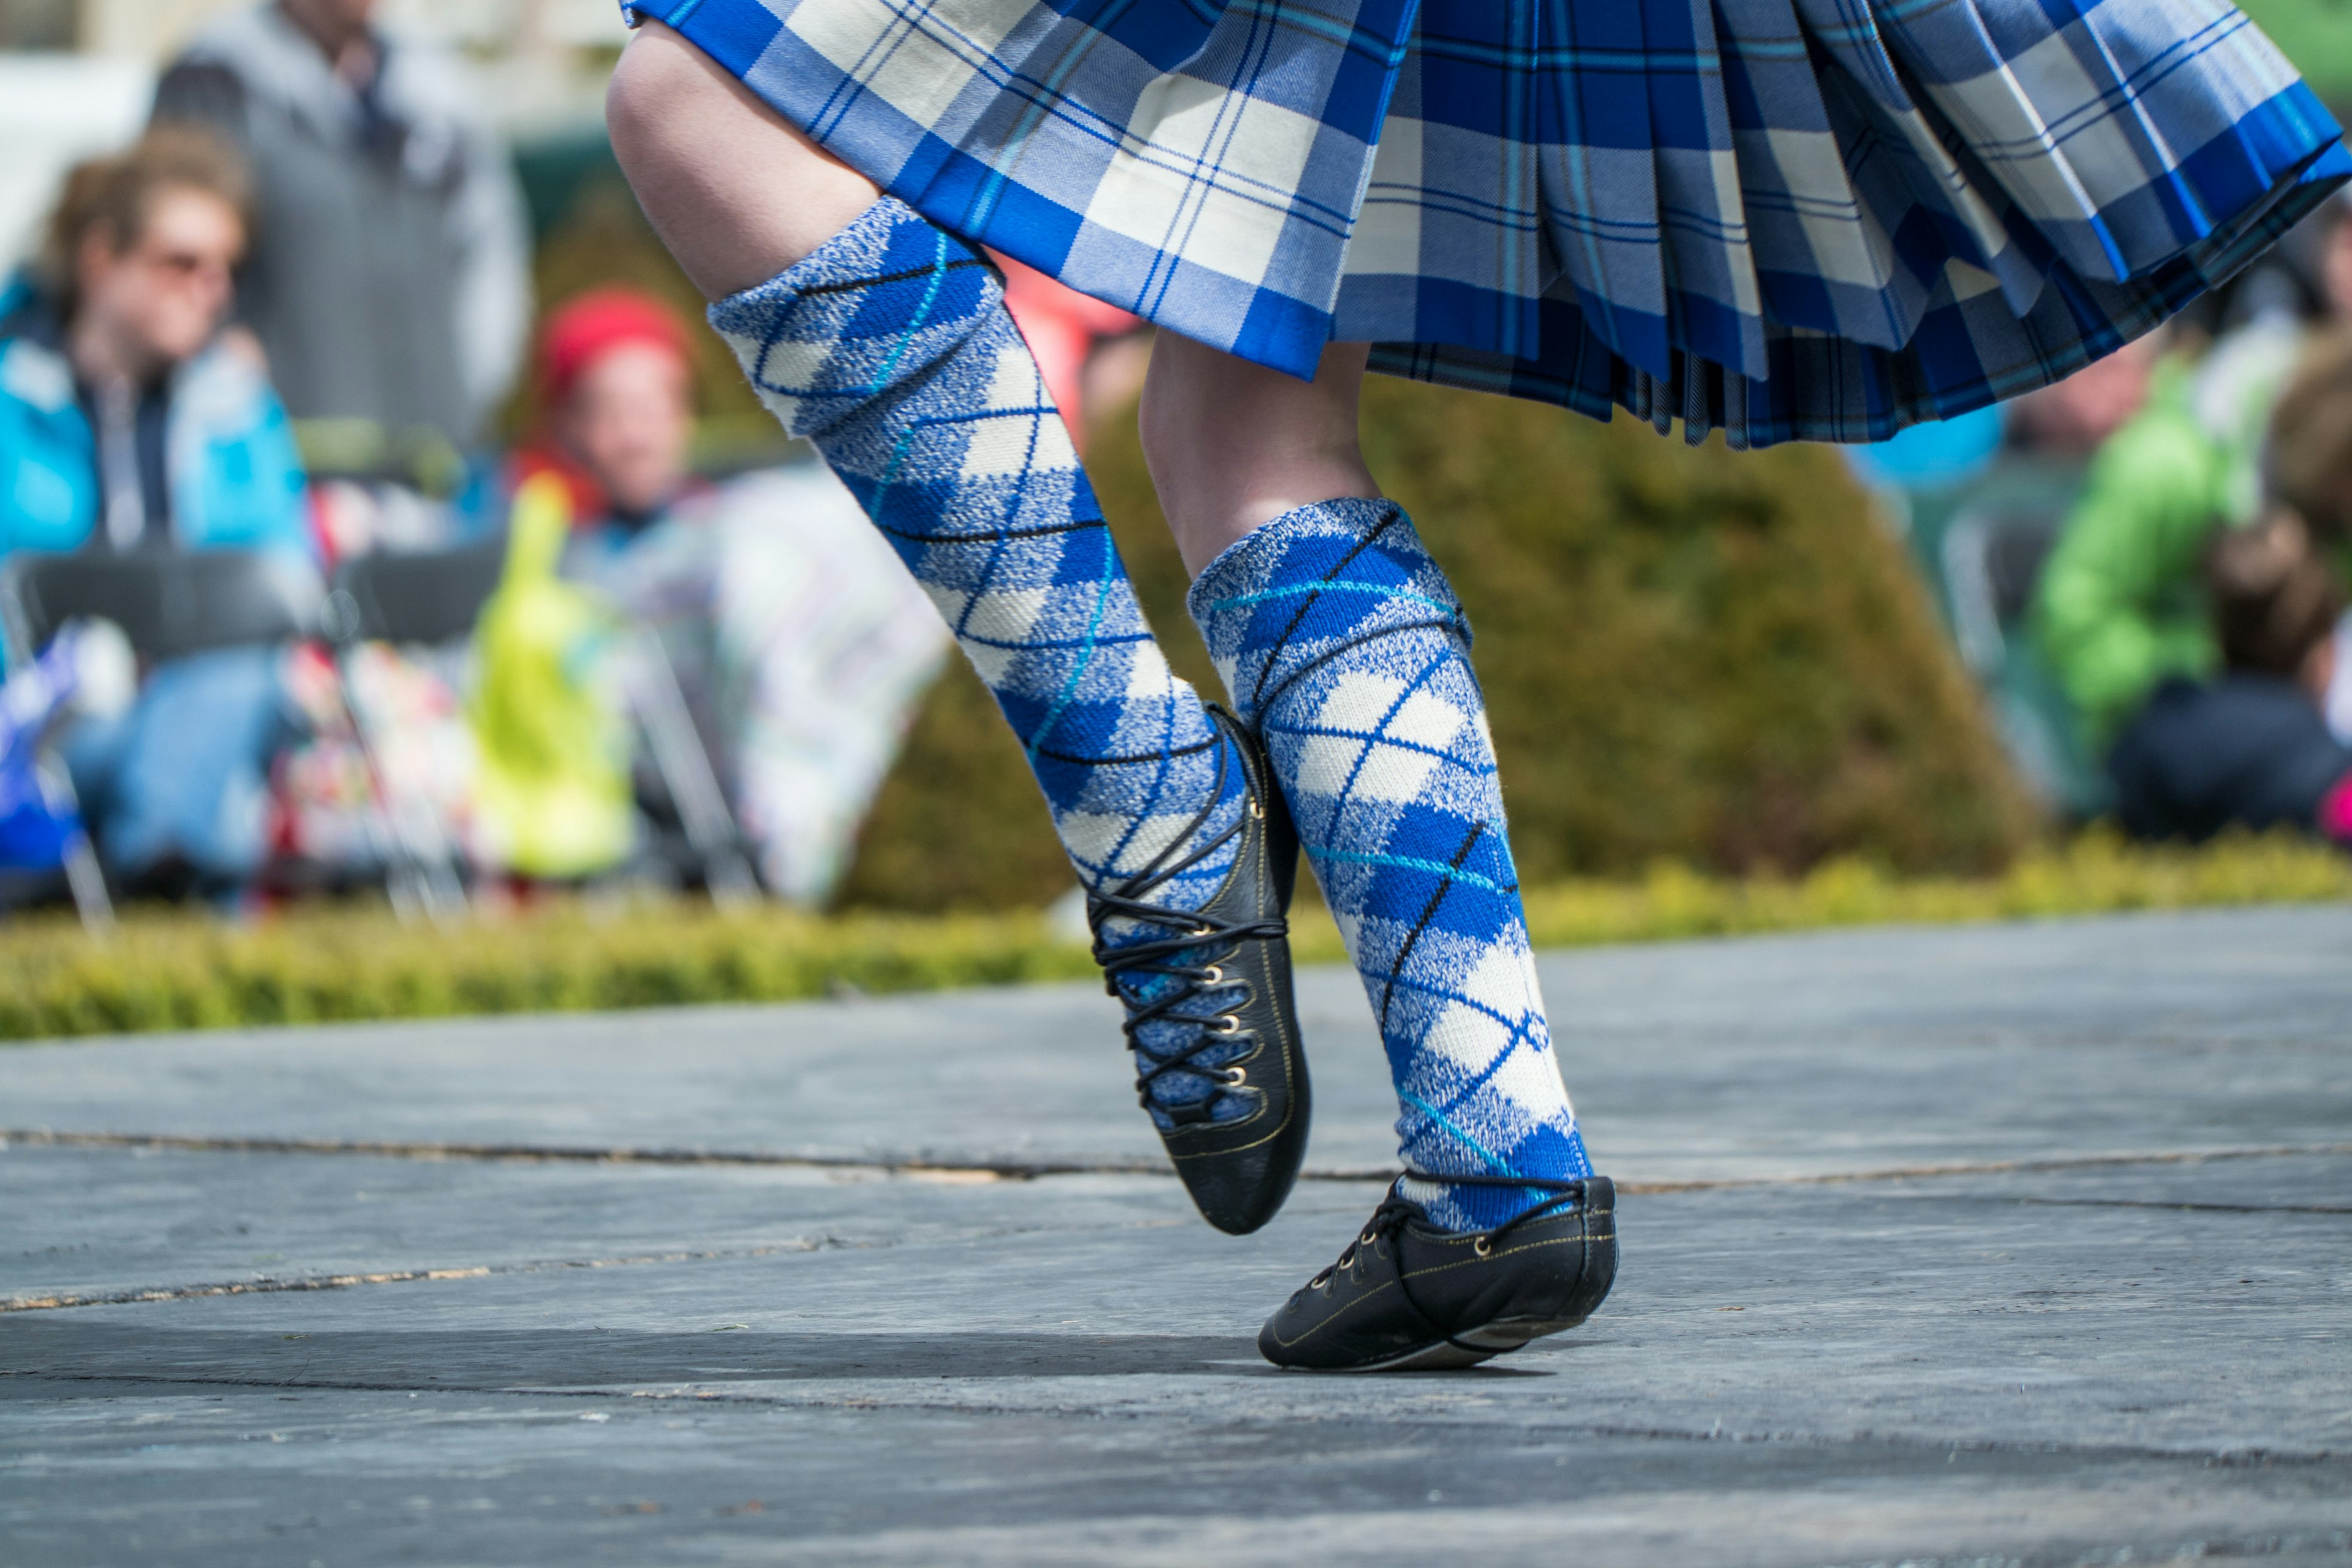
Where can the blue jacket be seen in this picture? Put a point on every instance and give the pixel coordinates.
(235, 477)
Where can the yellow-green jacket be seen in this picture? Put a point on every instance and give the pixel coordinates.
(2121, 602)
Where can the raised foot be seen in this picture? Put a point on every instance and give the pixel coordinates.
(1223, 972)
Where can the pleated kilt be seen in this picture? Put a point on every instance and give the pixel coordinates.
(1781, 219)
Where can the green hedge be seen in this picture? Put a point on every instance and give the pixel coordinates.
(320, 963)
(324, 964)
(1690, 653)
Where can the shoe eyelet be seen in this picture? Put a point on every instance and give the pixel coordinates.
(1232, 1022)
(1236, 1077)
(1482, 1247)
(1214, 975)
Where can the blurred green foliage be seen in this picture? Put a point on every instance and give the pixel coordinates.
(184, 969)
(1688, 653)
(2317, 35)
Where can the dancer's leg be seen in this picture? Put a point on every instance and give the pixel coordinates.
(884, 342)
(1231, 445)
(734, 190)
(1342, 643)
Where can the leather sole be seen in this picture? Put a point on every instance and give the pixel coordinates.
(1497, 1338)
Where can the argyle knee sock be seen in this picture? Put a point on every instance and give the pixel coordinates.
(889, 349)
(1343, 644)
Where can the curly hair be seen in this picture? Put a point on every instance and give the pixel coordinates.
(116, 196)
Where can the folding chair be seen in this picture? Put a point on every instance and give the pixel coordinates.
(168, 605)
(692, 784)
(425, 599)
(432, 598)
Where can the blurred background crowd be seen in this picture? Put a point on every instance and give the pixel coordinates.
(376, 510)
(340, 547)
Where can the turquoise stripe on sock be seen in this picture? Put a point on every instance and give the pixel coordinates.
(1493, 1161)
(1408, 863)
(922, 318)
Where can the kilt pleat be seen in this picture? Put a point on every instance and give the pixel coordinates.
(1780, 219)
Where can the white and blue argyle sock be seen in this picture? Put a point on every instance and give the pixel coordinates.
(1344, 646)
(889, 349)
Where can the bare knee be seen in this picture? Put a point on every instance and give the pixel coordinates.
(734, 190)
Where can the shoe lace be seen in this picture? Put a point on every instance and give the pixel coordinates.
(1193, 957)
(1396, 1211)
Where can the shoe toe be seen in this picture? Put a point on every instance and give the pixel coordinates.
(1238, 1192)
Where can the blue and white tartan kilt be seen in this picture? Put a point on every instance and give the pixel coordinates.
(1782, 219)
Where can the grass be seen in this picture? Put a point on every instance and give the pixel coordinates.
(165, 970)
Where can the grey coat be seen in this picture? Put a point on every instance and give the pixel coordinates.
(389, 280)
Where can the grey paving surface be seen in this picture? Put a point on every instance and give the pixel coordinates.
(2019, 1244)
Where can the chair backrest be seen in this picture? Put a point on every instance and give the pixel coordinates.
(430, 597)
(168, 604)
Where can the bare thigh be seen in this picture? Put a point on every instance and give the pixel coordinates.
(733, 188)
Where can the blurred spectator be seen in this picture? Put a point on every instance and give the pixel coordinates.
(800, 642)
(126, 424)
(2252, 747)
(390, 283)
(551, 793)
(616, 414)
(2121, 605)
(2073, 418)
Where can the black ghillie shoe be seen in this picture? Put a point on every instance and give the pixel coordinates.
(1406, 1297)
(1238, 1147)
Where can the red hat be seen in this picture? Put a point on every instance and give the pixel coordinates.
(589, 325)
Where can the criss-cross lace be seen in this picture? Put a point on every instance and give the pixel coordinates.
(1382, 1231)
(1192, 959)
